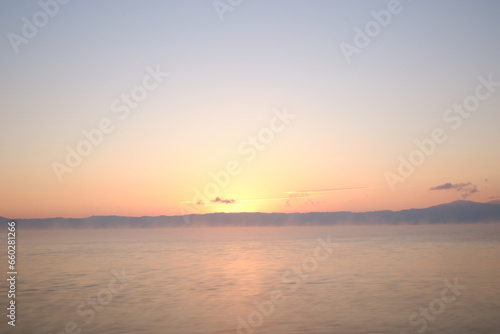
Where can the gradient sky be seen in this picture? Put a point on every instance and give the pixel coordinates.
(227, 78)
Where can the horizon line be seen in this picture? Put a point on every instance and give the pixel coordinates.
(250, 212)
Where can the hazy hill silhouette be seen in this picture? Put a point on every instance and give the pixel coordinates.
(454, 212)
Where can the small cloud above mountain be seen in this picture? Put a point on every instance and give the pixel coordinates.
(466, 189)
(223, 200)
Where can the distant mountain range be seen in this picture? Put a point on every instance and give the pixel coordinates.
(454, 212)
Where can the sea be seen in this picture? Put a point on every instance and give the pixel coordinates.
(306, 280)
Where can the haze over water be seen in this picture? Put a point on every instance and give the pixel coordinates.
(202, 280)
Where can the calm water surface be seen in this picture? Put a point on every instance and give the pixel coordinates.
(258, 280)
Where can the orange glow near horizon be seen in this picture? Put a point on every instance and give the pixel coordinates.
(73, 200)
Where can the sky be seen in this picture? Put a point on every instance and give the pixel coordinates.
(144, 108)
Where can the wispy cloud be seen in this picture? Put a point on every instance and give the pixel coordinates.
(324, 190)
(263, 199)
(233, 201)
(466, 189)
(290, 197)
(223, 200)
(295, 195)
(217, 200)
